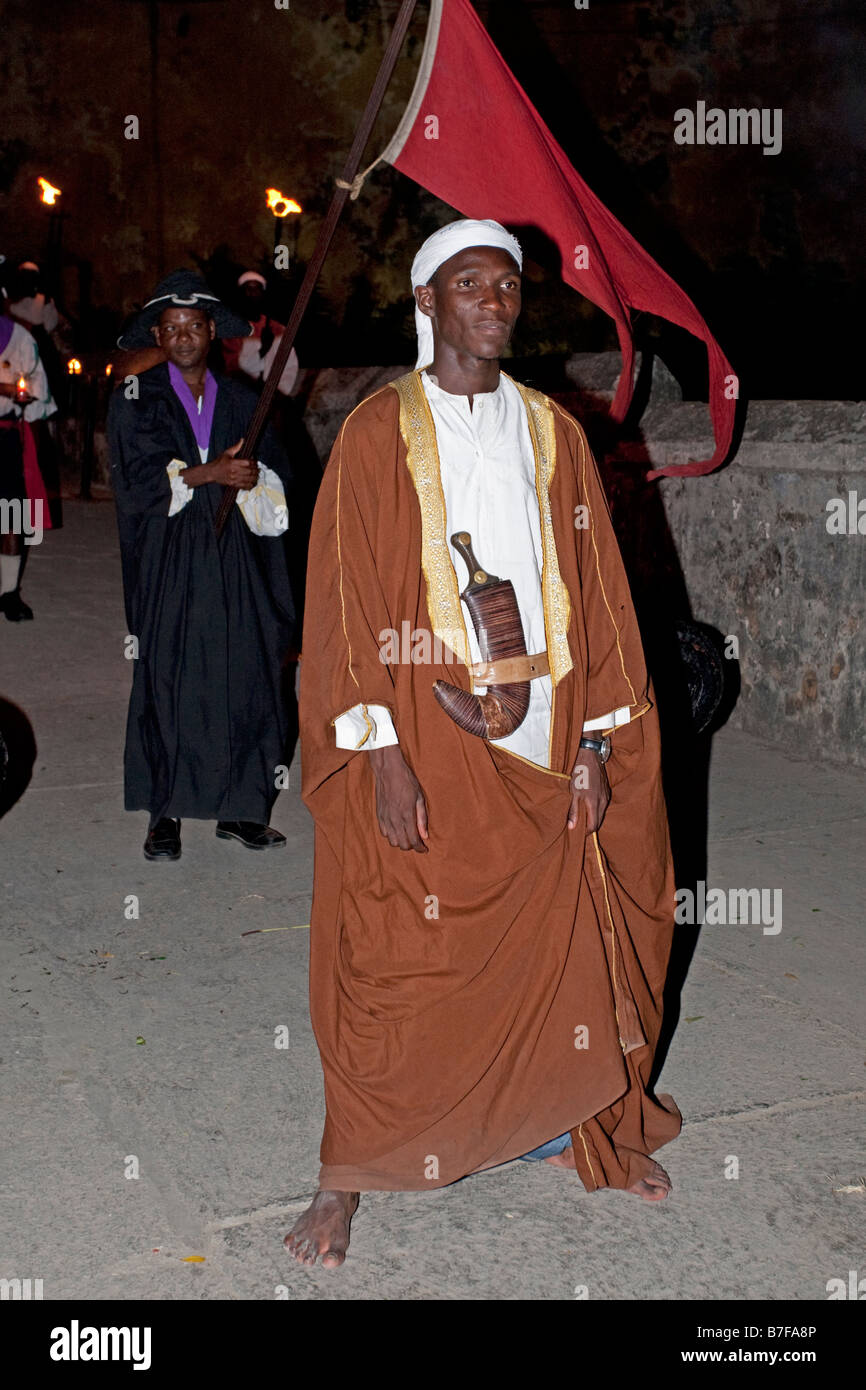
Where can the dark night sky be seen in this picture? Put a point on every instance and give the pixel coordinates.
(769, 248)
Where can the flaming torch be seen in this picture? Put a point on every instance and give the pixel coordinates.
(49, 194)
(281, 207)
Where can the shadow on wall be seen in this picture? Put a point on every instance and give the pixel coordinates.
(17, 754)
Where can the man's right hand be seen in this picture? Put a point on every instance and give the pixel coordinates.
(232, 471)
(400, 806)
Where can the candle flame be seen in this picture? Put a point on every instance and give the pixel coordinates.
(108, 369)
(22, 383)
(279, 204)
(49, 194)
(73, 366)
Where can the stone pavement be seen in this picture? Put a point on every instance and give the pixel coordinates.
(148, 1043)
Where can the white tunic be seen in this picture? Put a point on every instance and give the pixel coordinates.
(20, 357)
(488, 479)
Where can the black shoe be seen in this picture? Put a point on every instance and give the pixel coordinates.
(250, 833)
(163, 840)
(14, 607)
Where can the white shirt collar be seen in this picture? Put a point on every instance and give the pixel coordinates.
(430, 381)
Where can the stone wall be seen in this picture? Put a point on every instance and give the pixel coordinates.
(760, 565)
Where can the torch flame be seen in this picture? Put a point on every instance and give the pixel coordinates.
(279, 204)
(50, 194)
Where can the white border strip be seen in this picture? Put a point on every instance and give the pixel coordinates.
(395, 146)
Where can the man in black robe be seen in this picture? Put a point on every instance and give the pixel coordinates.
(211, 619)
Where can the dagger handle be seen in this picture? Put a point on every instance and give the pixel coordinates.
(479, 577)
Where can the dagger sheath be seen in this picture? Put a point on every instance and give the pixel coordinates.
(492, 605)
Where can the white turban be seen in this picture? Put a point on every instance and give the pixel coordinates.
(440, 247)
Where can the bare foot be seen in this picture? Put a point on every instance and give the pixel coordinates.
(563, 1160)
(323, 1229)
(654, 1187)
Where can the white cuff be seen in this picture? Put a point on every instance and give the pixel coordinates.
(264, 506)
(609, 721)
(365, 726)
(250, 359)
(180, 493)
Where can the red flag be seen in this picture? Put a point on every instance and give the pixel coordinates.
(471, 136)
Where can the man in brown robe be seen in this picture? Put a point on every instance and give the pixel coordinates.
(489, 936)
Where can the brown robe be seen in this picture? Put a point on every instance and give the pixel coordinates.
(531, 1004)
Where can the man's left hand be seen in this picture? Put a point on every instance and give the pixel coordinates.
(588, 780)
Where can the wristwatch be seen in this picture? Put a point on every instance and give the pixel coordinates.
(601, 746)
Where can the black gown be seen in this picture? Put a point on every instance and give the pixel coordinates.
(207, 722)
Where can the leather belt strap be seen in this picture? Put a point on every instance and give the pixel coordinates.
(511, 669)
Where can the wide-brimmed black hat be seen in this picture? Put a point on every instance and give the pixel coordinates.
(182, 289)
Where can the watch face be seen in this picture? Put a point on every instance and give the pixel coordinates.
(600, 746)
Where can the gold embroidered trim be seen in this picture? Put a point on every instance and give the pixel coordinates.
(422, 460)
(350, 708)
(555, 596)
(369, 730)
(509, 752)
(552, 727)
(644, 709)
(586, 1154)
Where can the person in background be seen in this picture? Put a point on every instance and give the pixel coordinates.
(25, 399)
(211, 617)
(252, 357)
(32, 305)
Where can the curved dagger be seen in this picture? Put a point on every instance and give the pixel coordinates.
(492, 605)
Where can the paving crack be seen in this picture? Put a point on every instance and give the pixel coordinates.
(781, 1107)
(266, 1213)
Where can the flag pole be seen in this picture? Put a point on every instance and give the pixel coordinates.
(329, 226)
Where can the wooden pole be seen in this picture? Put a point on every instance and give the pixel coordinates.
(329, 226)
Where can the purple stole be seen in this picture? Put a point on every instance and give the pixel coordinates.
(201, 422)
